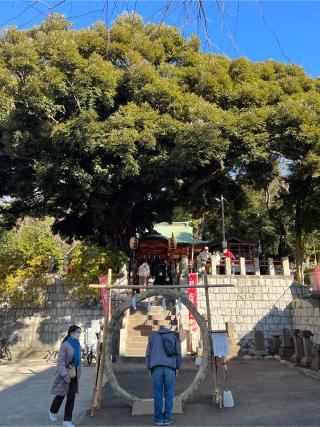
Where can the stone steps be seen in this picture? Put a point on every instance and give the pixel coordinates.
(141, 324)
(136, 339)
(133, 324)
(135, 352)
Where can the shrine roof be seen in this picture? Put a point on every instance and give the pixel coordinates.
(182, 231)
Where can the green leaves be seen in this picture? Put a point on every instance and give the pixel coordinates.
(107, 129)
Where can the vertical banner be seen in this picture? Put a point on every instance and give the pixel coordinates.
(103, 280)
(192, 295)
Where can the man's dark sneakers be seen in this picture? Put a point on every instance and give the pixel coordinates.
(168, 423)
(158, 423)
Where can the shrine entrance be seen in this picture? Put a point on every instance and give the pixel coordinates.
(131, 399)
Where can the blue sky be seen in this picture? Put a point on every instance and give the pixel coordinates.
(287, 31)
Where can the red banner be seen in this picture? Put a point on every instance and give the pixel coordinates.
(192, 295)
(103, 280)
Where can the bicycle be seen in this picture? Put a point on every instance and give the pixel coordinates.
(89, 353)
(4, 350)
(51, 355)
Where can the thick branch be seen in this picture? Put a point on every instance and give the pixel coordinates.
(192, 189)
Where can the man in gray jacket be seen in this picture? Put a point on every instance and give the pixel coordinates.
(163, 369)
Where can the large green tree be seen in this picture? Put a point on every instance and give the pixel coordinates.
(107, 129)
(294, 126)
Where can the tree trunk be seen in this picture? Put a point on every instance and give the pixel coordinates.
(298, 238)
(282, 248)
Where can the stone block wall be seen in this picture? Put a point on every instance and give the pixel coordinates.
(253, 303)
(306, 316)
(266, 303)
(33, 327)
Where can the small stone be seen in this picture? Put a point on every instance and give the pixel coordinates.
(247, 357)
(277, 357)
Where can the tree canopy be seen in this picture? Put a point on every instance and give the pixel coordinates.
(108, 129)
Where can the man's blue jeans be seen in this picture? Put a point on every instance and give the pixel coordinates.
(163, 381)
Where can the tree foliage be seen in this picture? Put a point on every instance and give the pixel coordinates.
(108, 129)
(88, 262)
(24, 260)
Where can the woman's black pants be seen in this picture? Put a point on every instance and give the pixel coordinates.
(57, 401)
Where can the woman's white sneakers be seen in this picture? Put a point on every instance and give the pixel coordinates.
(53, 417)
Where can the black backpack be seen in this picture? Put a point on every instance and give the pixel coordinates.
(168, 346)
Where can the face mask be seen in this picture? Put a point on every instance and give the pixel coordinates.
(77, 335)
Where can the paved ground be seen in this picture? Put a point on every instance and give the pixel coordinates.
(25, 393)
(266, 393)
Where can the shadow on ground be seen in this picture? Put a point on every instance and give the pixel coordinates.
(266, 393)
(25, 393)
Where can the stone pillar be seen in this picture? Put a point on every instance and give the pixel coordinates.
(298, 347)
(213, 264)
(286, 347)
(275, 344)
(259, 344)
(315, 362)
(285, 266)
(242, 266)
(256, 267)
(184, 269)
(307, 349)
(227, 261)
(271, 270)
(234, 348)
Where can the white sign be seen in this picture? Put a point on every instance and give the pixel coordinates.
(90, 337)
(95, 325)
(220, 343)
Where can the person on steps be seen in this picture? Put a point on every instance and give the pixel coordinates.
(67, 375)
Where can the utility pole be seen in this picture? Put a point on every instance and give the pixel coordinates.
(223, 228)
(224, 243)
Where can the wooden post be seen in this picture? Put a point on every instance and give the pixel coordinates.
(95, 385)
(97, 397)
(104, 340)
(213, 370)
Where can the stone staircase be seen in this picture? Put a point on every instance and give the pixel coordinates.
(140, 324)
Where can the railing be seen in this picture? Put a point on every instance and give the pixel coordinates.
(244, 266)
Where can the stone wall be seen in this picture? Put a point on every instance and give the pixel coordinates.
(34, 327)
(266, 303)
(306, 316)
(253, 303)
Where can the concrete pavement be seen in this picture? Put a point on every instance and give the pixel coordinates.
(266, 393)
(25, 393)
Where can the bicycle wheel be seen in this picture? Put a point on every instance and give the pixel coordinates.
(7, 353)
(89, 359)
